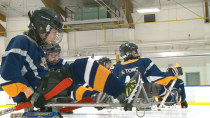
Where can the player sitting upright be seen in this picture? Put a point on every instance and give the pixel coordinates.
(105, 62)
(149, 71)
(55, 62)
(53, 57)
(103, 97)
(179, 86)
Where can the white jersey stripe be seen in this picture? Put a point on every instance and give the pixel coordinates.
(3, 81)
(28, 59)
(153, 78)
(163, 94)
(31, 65)
(15, 50)
(64, 62)
(88, 69)
(150, 65)
(23, 70)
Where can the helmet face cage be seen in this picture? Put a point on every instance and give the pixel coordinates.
(50, 54)
(47, 19)
(126, 51)
(54, 34)
(104, 60)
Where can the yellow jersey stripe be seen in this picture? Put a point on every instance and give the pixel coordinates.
(165, 81)
(79, 92)
(100, 78)
(131, 61)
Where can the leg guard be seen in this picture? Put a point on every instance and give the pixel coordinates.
(51, 79)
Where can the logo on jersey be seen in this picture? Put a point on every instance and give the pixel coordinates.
(129, 70)
(44, 63)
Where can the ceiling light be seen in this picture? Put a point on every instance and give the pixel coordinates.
(148, 10)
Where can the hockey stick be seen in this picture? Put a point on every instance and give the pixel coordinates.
(168, 92)
(57, 89)
(84, 100)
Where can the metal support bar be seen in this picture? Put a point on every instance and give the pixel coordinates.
(135, 103)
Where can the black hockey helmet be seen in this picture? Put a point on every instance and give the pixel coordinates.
(50, 51)
(43, 20)
(126, 51)
(104, 60)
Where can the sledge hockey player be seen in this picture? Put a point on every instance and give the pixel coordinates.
(179, 86)
(103, 97)
(53, 58)
(55, 62)
(149, 71)
(105, 62)
(24, 72)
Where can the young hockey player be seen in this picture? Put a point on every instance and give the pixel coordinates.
(105, 62)
(103, 97)
(53, 58)
(55, 62)
(25, 76)
(149, 71)
(179, 86)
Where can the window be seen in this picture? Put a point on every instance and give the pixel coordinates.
(149, 18)
(193, 78)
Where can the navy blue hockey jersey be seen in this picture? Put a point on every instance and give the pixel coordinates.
(150, 72)
(22, 66)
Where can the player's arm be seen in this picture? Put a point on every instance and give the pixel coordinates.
(13, 59)
(153, 73)
(181, 87)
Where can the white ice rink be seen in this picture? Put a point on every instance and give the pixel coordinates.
(193, 111)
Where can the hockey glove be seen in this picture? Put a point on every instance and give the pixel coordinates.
(176, 70)
(37, 100)
(184, 104)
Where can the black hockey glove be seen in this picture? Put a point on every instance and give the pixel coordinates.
(184, 104)
(37, 100)
(176, 70)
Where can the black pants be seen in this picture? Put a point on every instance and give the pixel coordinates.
(152, 89)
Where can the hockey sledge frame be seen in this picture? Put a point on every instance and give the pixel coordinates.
(147, 102)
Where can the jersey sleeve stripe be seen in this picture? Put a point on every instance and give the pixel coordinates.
(64, 61)
(79, 92)
(88, 69)
(153, 78)
(3, 80)
(31, 65)
(100, 78)
(15, 50)
(150, 65)
(165, 81)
